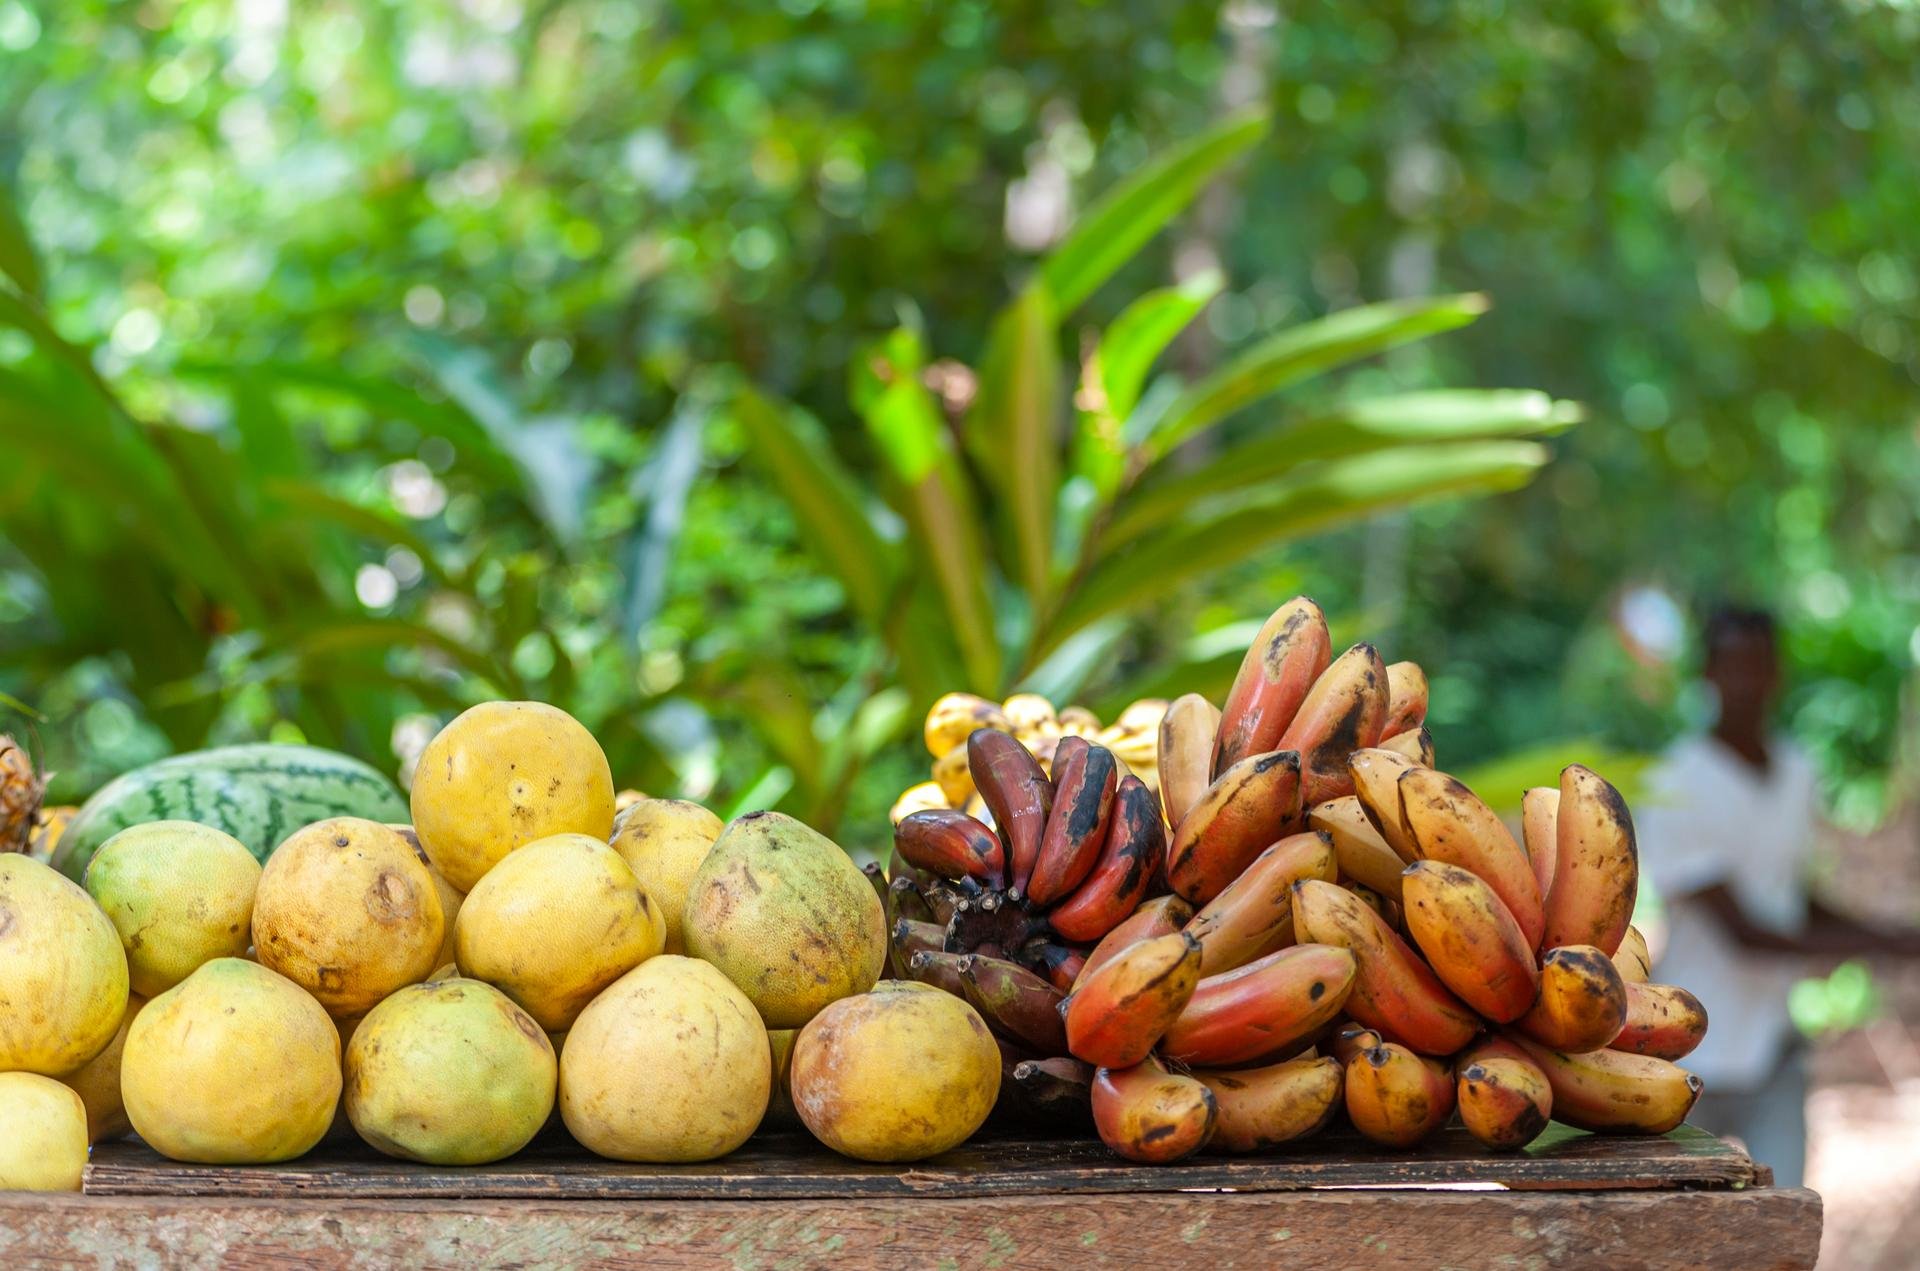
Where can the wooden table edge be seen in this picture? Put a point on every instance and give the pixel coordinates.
(1750, 1227)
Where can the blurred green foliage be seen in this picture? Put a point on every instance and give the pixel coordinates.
(455, 275)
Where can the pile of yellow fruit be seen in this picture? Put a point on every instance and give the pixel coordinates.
(442, 989)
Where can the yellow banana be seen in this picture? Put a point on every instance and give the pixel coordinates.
(1632, 959)
(1186, 741)
(1396, 1097)
(1376, 782)
(1505, 1101)
(1363, 855)
(1258, 1108)
(1450, 824)
(1470, 940)
(1582, 1004)
(1609, 1090)
(1596, 874)
(953, 719)
(1416, 744)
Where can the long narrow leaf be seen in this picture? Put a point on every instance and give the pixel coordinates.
(1339, 491)
(104, 455)
(1012, 431)
(1297, 353)
(311, 500)
(825, 499)
(1117, 370)
(1356, 427)
(322, 640)
(912, 438)
(663, 485)
(475, 449)
(557, 468)
(1130, 214)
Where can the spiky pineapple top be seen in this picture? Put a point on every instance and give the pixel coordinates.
(21, 789)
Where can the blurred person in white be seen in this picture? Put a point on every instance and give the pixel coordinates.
(1726, 833)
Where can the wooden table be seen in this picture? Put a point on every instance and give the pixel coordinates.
(1682, 1200)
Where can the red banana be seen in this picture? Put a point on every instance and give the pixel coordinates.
(1415, 744)
(1539, 813)
(1161, 916)
(1249, 807)
(904, 900)
(1058, 964)
(1115, 1015)
(1017, 1004)
(1376, 776)
(1406, 699)
(1393, 989)
(1130, 859)
(1017, 794)
(1505, 1100)
(1633, 959)
(1353, 1039)
(1085, 778)
(1280, 668)
(1260, 1010)
(1060, 1087)
(1662, 1020)
(1254, 915)
(909, 938)
(951, 844)
(1148, 1114)
(939, 968)
(1343, 712)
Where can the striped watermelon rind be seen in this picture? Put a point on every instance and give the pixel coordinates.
(258, 793)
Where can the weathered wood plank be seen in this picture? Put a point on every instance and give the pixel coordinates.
(795, 1166)
(1754, 1230)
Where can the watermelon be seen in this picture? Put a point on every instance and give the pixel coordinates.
(257, 793)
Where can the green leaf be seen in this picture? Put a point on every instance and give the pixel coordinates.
(1131, 213)
(825, 499)
(1342, 490)
(765, 792)
(17, 261)
(321, 640)
(912, 437)
(1117, 370)
(1012, 431)
(1356, 427)
(365, 522)
(475, 449)
(664, 485)
(1289, 356)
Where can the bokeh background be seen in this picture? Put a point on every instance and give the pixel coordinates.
(684, 365)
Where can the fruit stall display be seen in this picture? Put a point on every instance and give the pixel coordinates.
(1200, 931)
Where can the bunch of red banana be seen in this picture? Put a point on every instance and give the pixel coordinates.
(1321, 872)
